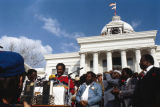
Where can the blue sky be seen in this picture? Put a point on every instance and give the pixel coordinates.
(57, 23)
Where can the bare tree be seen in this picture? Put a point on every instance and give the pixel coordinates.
(31, 50)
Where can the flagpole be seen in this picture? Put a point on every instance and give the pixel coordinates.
(115, 9)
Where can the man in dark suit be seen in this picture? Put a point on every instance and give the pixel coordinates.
(147, 91)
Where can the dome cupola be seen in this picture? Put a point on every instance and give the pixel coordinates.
(116, 26)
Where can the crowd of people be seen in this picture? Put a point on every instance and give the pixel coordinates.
(115, 88)
(123, 87)
(118, 87)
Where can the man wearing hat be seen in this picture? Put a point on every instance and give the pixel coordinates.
(12, 74)
(100, 81)
(112, 81)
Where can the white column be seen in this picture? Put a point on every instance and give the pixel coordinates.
(95, 63)
(153, 53)
(123, 59)
(109, 31)
(82, 64)
(138, 57)
(120, 30)
(109, 60)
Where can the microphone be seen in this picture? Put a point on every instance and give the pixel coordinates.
(79, 68)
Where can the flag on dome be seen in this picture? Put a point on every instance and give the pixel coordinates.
(112, 4)
(114, 7)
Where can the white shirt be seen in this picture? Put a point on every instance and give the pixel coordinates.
(127, 81)
(85, 93)
(148, 68)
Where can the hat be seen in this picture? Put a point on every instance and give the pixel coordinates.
(11, 64)
(117, 71)
(99, 74)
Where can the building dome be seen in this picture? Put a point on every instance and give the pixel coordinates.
(116, 26)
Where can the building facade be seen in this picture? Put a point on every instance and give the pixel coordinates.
(118, 45)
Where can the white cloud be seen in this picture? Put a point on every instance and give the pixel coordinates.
(68, 47)
(32, 50)
(135, 24)
(53, 26)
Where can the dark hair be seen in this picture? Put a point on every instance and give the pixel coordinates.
(83, 78)
(9, 87)
(30, 71)
(128, 71)
(61, 64)
(92, 74)
(148, 58)
(99, 74)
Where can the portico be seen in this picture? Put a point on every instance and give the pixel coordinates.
(98, 59)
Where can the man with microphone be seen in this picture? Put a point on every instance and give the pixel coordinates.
(63, 78)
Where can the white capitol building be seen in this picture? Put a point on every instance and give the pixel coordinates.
(117, 45)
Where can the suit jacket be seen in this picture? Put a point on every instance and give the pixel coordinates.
(94, 94)
(147, 91)
(127, 90)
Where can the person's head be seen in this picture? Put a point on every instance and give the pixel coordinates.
(90, 77)
(32, 75)
(146, 60)
(12, 74)
(60, 69)
(83, 79)
(99, 77)
(77, 78)
(126, 73)
(116, 74)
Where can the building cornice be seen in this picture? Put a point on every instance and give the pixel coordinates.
(114, 48)
(134, 35)
(62, 55)
(158, 48)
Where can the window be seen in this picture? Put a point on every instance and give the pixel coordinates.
(91, 64)
(130, 61)
(115, 30)
(104, 63)
(116, 60)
